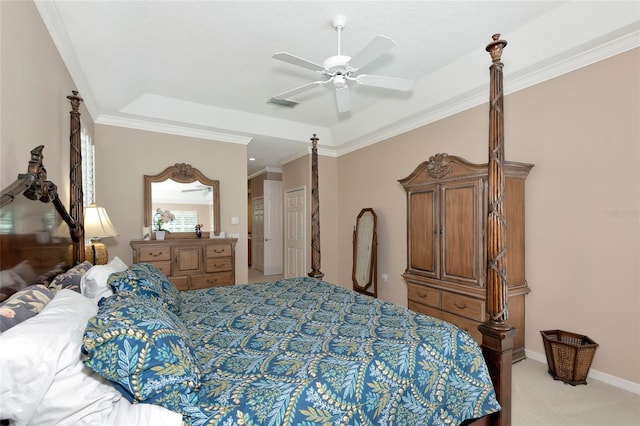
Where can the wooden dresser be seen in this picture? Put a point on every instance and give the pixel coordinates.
(446, 247)
(191, 263)
(42, 257)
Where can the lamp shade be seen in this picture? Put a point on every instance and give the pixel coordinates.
(97, 223)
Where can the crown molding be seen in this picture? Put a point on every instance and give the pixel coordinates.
(625, 39)
(172, 129)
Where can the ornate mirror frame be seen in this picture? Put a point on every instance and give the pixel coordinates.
(183, 173)
(365, 257)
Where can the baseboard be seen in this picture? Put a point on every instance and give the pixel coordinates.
(594, 374)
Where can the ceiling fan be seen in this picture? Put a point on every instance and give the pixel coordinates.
(341, 70)
(204, 188)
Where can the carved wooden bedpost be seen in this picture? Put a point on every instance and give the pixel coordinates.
(496, 222)
(315, 213)
(76, 208)
(497, 335)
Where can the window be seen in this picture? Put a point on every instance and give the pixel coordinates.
(88, 168)
(6, 221)
(185, 221)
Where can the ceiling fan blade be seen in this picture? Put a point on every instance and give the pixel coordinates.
(295, 60)
(343, 99)
(297, 90)
(376, 48)
(392, 83)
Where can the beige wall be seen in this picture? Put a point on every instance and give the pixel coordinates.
(581, 131)
(123, 156)
(34, 108)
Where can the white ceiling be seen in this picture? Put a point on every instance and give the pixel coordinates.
(205, 68)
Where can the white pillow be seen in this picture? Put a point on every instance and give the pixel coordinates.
(94, 283)
(43, 380)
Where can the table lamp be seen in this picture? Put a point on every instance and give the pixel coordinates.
(97, 225)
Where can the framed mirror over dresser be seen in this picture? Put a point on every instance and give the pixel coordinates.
(192, 255)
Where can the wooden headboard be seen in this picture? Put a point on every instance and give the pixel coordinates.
(34, 185)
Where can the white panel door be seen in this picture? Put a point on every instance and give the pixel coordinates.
(257, 234)
(273, 245)
(295, 235)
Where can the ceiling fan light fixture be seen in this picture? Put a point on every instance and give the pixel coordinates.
(340, 69)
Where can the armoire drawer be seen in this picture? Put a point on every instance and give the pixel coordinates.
(463, 305)
(463, 323)
(425, 295)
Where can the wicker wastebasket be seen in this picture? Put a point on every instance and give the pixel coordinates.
(569, 355)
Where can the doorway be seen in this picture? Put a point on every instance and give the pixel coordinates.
(295, 232)
(267, 239)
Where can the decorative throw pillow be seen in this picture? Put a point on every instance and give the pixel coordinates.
(146, 281)
(23, 305)
(11, 281)
(48, 276)
(94, 283)
(143, 348)
(70, 279)
(26, 272)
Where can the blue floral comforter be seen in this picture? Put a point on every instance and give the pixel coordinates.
(305, 352)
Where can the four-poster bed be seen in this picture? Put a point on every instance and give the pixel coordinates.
(263, 364)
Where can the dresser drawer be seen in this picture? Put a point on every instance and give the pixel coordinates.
(164, 267)
(218, 250)
(211, 280)
(181, 283)
(463, 323)
(463, 305)
(217, 264)
(154, 253)
(425, 295)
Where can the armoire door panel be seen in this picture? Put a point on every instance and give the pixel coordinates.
(424, 249)
(461, 231)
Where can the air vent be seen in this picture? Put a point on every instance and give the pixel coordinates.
(282, 102)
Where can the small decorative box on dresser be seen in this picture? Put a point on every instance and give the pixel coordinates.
(446, 248)
(190, 263)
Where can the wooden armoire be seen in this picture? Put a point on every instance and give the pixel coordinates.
(446, 248)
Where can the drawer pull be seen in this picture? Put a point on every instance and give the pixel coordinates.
(422, 295)
(155, 254)
(463, 306)
(212, 281)
(218, 251)
(218, 265)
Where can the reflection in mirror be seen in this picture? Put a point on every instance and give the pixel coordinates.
(30, 243)
(190, 203)
(365, 253)
(189, 195)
